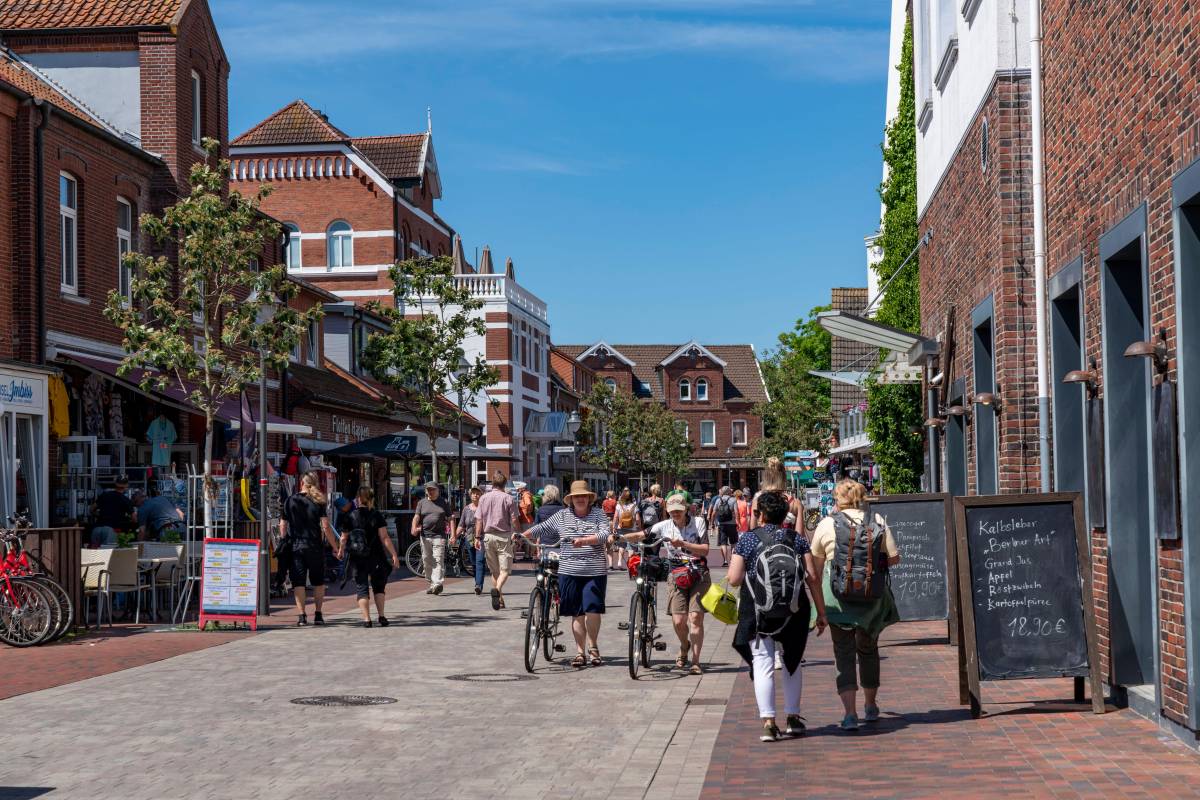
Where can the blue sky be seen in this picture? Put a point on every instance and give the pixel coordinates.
(658, 171)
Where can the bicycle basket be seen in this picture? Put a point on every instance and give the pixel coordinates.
(653, 568)
(549, 563)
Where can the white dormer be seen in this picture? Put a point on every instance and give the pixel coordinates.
(603, 349)
(693, 349)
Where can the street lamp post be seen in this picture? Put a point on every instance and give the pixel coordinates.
(729, 466)
(571, 429)
(463, 366)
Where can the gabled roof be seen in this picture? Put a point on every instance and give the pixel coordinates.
(36, 15)
(743, 380)
(295, 123)
(600, 348)
(397, 157)
(692, 348)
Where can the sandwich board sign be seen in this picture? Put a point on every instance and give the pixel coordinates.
(229, 581)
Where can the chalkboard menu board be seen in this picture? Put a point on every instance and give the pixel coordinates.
(1025, 586)
(920, 524)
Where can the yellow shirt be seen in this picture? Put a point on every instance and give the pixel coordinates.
(824, 541)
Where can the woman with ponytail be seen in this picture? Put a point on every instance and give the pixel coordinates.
(305, 522)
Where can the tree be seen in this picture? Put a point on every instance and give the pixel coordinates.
(895, 409)
(640, 437)
(202, 319)
(422, 353)
(798, 415)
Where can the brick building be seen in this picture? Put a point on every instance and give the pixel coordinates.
(356, 205)
(711, 389)
(1122, 182)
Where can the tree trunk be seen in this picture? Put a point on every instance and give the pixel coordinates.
(208, 481)
(433, 449)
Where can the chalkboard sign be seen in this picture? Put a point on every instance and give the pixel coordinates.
(1024, 574)
(920, 524)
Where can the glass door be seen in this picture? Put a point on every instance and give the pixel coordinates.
(29, 491)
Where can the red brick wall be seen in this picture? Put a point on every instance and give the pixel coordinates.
(982, 245)
(1121, 120)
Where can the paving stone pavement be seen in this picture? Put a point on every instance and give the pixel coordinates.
(219, 723)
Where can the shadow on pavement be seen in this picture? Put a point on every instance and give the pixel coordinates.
(23, 792)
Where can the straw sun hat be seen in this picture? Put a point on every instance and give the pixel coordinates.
(578, 488)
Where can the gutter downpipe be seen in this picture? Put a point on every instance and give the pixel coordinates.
(1039, 239)
(40, 221)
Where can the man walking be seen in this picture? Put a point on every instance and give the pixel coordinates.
(430, 523)
(723, 514)
(495, 523)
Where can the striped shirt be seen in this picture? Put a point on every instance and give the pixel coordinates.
(587, 561)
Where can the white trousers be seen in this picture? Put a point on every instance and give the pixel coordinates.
(433, 556)
(762, 650)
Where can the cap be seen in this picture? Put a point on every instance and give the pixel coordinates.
(676, 503)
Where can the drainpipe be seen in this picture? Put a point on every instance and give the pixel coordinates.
(1039, 239)
(39, 272)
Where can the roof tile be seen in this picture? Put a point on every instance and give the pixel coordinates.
(295, 123)
(20, 76)
(58, 14)
(742, 377)
(397, 157)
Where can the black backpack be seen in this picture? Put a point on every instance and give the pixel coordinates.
(724, 511)
(356, 538)
(859, 572)
(775, 580)
(651, 512)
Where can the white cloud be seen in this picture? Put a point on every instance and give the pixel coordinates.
(560, 30)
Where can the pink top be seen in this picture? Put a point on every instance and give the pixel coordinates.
(496, 509)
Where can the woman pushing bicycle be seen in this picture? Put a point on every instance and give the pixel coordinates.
(583, 532)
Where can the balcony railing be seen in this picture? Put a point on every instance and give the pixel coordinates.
(489, 287)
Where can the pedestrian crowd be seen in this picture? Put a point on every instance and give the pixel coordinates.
(787, 583)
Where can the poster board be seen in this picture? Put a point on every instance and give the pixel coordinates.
(1025, 592)
(924, 582)
(229, 581)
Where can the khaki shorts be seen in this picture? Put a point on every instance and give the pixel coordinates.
(498, 550)
(685, 602)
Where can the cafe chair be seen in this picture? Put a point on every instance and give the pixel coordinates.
(94, 570)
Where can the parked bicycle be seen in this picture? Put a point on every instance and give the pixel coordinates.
(647, 570)
(460, 559)
(541, 618)
(34, 607)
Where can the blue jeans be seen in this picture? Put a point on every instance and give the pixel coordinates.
(102, 535)
(480, 564)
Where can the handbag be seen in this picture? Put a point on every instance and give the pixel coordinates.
(683, 577)
(721, 603)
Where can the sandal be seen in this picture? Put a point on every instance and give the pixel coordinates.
(681, 663)
(595, 654)
(578, 662)
(695, 670)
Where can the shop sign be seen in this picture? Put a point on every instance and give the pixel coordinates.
(348, 430)
(17, 391)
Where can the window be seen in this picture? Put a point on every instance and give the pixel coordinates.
(611, 384)
(739, 433)
(341, 245)
(124, 246)
(708, 433)
(68, 206)
(197, 105)
(314, 351)
(685, 389)
(922, 47)
(292, 256)
(701, 388)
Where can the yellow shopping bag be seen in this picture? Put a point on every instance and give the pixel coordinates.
(721, 603)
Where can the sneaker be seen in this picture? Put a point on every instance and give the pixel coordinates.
(495, 599)
(301, 620)
(478, 590)
(429, 590)
(366, 623)
(795, 725)
(770, 731)
(437, 589)
(318, 619)
(383, 622)
(850, 722)
(778, 660)
(871, 714)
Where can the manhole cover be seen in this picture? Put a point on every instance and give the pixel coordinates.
(344, 700)
(490, 677)
(705, 701)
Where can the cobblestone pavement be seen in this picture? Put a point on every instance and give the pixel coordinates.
(219, 723)
(1032, 742)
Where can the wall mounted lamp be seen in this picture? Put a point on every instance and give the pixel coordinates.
(1151, 348)
(958, 411)
(989, 399)
(1085, 376)
(935, 423)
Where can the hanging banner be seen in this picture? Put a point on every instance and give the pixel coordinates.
(229, 581)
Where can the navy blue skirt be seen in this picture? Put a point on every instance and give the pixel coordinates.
(581, 594)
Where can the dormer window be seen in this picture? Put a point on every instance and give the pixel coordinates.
(702, 389)
(685, 389)
(611, 384)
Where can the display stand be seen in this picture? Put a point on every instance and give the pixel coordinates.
(195, 532)
(229, 581)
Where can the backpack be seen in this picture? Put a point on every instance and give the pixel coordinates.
(525, 508)
(651, 513)
(859, 572)
(356, 539)
(626, 520)
(776, 583)
(724, 511)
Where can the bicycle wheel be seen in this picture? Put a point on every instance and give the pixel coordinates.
(26, 613)
(533, 626)
(413, 559)
(65, 610)
(550, 625)
(649, 627)
(637, 618)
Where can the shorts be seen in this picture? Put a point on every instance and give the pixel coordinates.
(307, 562)
(371, 575)
(498, 551)
(727, 534)
(687, 601)
(581, 594)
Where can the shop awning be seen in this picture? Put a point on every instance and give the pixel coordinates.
(845, 325)
(415, 444)
(175, 397)
(851, 378)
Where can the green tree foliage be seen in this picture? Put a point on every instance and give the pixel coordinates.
(797, 417)
(639, 437)
(201, 319)
(422, 353)
(896, 409)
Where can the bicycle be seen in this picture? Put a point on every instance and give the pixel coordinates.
(647, 571)
(460, 559)
(35, 616)
(541, 618)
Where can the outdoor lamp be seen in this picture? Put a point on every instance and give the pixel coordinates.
(958, 411)
(572, 425)
(1150, 348)
(1085, 376)
(990, 399)
(935, 422)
